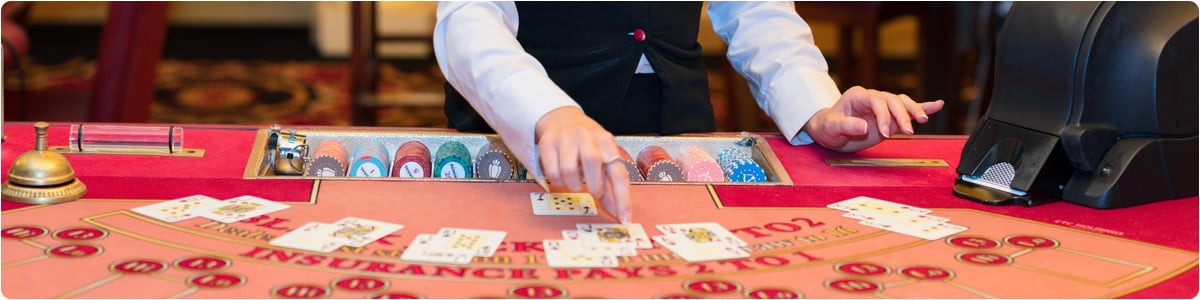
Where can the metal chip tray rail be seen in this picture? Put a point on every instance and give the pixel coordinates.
(269, 143)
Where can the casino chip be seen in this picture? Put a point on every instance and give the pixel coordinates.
(412, 160)
(493, 161)
(658, 165)
(698, 166)
(740, 167)
(635, 174)
(453, 161)
(329, 159)
(370, 160)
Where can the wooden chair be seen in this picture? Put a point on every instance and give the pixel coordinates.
(127, 61)
(939, 66)
(365, 62)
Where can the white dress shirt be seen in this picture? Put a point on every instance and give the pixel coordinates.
(477, 50)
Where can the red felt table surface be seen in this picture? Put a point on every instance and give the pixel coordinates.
(1172, 223)
(218, 173)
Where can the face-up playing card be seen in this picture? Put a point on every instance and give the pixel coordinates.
(693, 253)
(568, 254)
(614, 234)
(468, 241)
(701, 233)
(879, 208)
(178, 209)
(420, 250)
(906, 221)
(358, 232)
(241, 208)
(563, 204)
(313, 236)
(926, 231)
(572, 236)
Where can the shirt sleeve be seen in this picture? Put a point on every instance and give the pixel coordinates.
(773, 48)
(477, 50)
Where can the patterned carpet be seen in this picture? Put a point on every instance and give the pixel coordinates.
(255, 92)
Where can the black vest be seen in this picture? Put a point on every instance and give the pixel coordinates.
(589, 51)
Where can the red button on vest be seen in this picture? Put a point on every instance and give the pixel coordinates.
(639, 35)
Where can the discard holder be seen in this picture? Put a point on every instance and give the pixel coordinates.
(1094, 103)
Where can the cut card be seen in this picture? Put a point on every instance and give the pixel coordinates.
(358, 232)
(468, 241)
(692, 253)
(560, 253)
(313, 236)
(879, 208)
(929, 232)
(614, 234)
(701, 233)
(563, 204)
(178, 209)
(241, 208)
(420, 250)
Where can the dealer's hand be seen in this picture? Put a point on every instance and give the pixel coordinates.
(862, 118)
(574, 148)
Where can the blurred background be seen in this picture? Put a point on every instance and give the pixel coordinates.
(371, 63)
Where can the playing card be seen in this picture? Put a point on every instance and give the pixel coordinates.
(313, 236)
(358, 232)
(906, 221)
(572, 236)
(241, 208)
(693, 253)
(468, 241)
(610, 234)
(560, 253)
(701, 233)
(880, 208)
(420, 250)
(929, 232)
(178, 209)
(563, 204)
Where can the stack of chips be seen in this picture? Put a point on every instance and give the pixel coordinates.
(658, 165)
(492, 161)
(412, 160)
(740, 167)
(698, 166)
(330, 159)
(634, 173)
(371, 159)
(453, 160)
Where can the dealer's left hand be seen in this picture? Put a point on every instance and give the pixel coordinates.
(864, 117)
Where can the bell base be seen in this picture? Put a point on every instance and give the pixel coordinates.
(66, 192)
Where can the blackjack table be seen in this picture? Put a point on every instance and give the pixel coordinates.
(98, 247)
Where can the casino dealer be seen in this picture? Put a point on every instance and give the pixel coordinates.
(560, 85)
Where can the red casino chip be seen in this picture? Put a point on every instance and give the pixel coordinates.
(412, 160)
(658, 165)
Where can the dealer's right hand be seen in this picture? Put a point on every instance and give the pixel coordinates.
(575, 149)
